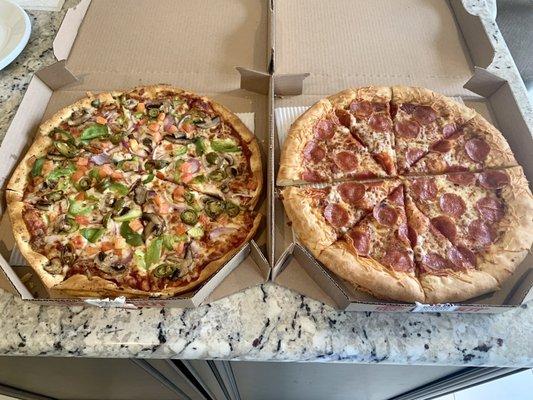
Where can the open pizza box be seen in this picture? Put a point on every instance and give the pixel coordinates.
(218, 49)
(322, 48)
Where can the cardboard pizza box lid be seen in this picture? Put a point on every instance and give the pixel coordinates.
(219, 49)
(321, 49)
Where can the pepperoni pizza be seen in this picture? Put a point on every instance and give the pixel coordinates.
(433, 206)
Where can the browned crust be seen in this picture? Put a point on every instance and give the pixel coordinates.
(502, 258)
(82, 286)
(307, 220)
(375, 278)
(441, 104)
(301, 131)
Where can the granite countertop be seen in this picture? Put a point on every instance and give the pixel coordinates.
(266, 322)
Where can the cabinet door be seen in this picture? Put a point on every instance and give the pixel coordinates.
(86, 378)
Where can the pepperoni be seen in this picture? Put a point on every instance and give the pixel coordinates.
(385, 214)
(493, 179)
(336, 215)
(452, 204)
(413, 155)
(442, 146)
(362, 109)
(461, 257)
(407, 129)
(463, 178)
(448, 130)
(396, 196)
(380, 122)
(360, 240)
(314, 152)
(312, 176)
(351, 192)
(398, 260)
(482, 233)
(408, 108)
(346, 161)
(393, 110)
(435, 262)
(424, 114)
(345, 118)
(445, 226)
(386, 162)
(425, 189)
(477, 149)
(407, 234)
(324, 129)
(490, 209)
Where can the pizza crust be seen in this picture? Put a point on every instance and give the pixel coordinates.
(301, 131)
(371, 275)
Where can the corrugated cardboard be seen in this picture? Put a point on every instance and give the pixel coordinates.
(349, 43)
(197, 45)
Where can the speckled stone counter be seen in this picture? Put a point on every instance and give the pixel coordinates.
(266, 322)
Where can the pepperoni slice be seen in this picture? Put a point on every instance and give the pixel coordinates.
(407, 234)
(324, 129)
(449, 130)
(452, 204)
(398, 260)
(396, 196)
(408, 108)
(385, 214)
(413, 155)
(424, 189)
(361, 109)
(477, 149)
(445, 226)
(482, 233)
(360, 240)
(380, 122)
(442, 146)
(461, 257)
(393, 110)
(351, 192)
(435, 262)
(314, 152)
(490, 209)
(424, 114)
(493, 179)
(336, 215)
(345, 118)
(346, 161)
(407, 129)
(462, 178)
(312, 176)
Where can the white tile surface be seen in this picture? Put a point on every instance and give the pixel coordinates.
(42, 5)
(513, 387)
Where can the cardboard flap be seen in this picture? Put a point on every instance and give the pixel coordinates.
(484, 82)
(346, 43)
(120, 41)
(56, 75)
(254, 81)
(289, 84)
(66, 35)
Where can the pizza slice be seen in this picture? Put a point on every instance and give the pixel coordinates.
(366, 113)
(321, 215)
(421, 119)
(376, 253)
(487, 216)
(475, 146)
(321, 149)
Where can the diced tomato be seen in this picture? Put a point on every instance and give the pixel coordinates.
(168, 146)
(179, 247)
(223, 219)
(106, 144)
(77, 175)
(106, 246)
(161, 116)
(154, 127)
(75, 132)
(157, 136)
(101, 120)
(105, 170)
(141, 107)
(117, 175)
(177, 194)
(48, 166)
(160, 175)
(186, 178)
(80, 196)
(203, 219)
(82, 161)
(118, 252)
(136, 224)
(251, 185)
(78, 242)
(172, 129)
(142, 121)
(82, 219)
(164, 207)
(92, 250)
(180, 229)
(188, 127)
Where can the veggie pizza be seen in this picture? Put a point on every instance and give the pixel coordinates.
(139, 193)
(406, 194)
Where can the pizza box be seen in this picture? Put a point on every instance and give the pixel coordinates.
(322, 48)
(219, 49)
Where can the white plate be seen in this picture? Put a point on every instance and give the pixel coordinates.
(15, 31)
